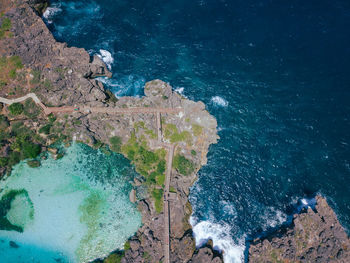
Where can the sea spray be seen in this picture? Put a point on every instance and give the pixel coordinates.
(222, 241)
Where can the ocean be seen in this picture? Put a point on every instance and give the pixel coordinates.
(275, 74)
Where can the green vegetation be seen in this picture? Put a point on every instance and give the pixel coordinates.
(45, 129)
(146, 161)
(150, 164)
(16, 108)
(116, 143)
(8, 69)
(111, 97)
(171, 133)
(114, 258)
(147, 131)
(193, 152)
(5, 27)
(147, 257)
(51, 118)
(26, 147)
(157, 194)
(31, 110)
(183, 165)
(172, 189)
(4, 123)
(23, 144)
(197, 130)
(36, 77)
(127, 245)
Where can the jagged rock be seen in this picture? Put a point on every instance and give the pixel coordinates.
(316, 236)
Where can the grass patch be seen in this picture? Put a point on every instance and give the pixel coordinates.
(5, 27)
(8, 68)
(36, 77)
(157, 194)
(183, 165)
(171, 133)
(197, 130)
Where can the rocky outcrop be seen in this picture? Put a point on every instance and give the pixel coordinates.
(66, 72)
(315, 236)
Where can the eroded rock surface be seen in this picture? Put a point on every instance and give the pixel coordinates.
(316, 236)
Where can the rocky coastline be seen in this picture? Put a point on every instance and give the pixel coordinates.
(314, 236)
(66, 76)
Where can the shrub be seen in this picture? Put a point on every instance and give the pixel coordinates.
(45, 129)
(183, 165)
(3, 123)
(51, 118)
(114, 258)
(16, 108)
(3, 161)
(30, 150)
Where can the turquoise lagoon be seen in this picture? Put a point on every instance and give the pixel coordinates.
(74, 209)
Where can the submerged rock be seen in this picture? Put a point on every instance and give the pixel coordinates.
(315, 236)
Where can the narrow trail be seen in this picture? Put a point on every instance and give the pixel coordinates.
(135, 110)
(85, 109)
(166, 204)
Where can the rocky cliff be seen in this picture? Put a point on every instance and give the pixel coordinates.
(315, 236)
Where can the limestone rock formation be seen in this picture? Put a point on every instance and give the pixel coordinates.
(316, 236)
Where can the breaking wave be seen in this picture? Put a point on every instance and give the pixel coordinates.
(129, 85)
(107, 58)
(50, 12)
(219, 101)
(222, 241)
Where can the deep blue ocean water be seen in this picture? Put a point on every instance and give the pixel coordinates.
(275, 74)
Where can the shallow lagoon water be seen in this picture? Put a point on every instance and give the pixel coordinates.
(74, 209)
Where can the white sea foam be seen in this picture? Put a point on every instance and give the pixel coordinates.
(272, 217)
(180, 90)
(50, 12)
(107, 58)
(129, 85)
(219, 101)
(220, 234)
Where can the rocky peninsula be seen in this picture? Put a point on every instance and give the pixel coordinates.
(163, 134)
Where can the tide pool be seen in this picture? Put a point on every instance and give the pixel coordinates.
(74, 209)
